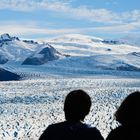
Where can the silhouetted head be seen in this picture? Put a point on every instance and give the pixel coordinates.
(77, 105)
(129, 111)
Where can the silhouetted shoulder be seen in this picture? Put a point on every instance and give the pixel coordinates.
(70, 131)
(93, 134)
(115, 134)
(124, 133)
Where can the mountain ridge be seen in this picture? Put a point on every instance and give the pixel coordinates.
(68, 50)
(14, 49)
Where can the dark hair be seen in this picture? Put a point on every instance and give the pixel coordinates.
(129, 111)
(77, 105)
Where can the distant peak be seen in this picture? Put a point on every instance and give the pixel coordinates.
(77, 38)
(5, 36)
(80, 36)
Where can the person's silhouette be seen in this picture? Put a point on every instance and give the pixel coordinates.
(128, 115)
(76, 107)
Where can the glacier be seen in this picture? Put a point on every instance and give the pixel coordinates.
(29, 106)
(108, 70)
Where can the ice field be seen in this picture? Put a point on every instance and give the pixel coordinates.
(27, 107)
(108, 70)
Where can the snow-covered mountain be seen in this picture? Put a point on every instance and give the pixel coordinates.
(85, 52)
(82, 45)
(96, 53)
(12, 49)
(42, 56)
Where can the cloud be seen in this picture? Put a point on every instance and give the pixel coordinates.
(111, 2)
(23, 30)
(30, 5)
(122, 28)
(33, 29)
(66, 8)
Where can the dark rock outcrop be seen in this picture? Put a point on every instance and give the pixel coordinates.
(112, 42)
(45, 55)
(8, 76)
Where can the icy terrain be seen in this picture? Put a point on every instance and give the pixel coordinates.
(28, 107)
(108, 70)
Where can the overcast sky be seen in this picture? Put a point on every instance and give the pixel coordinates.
(49, 18)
